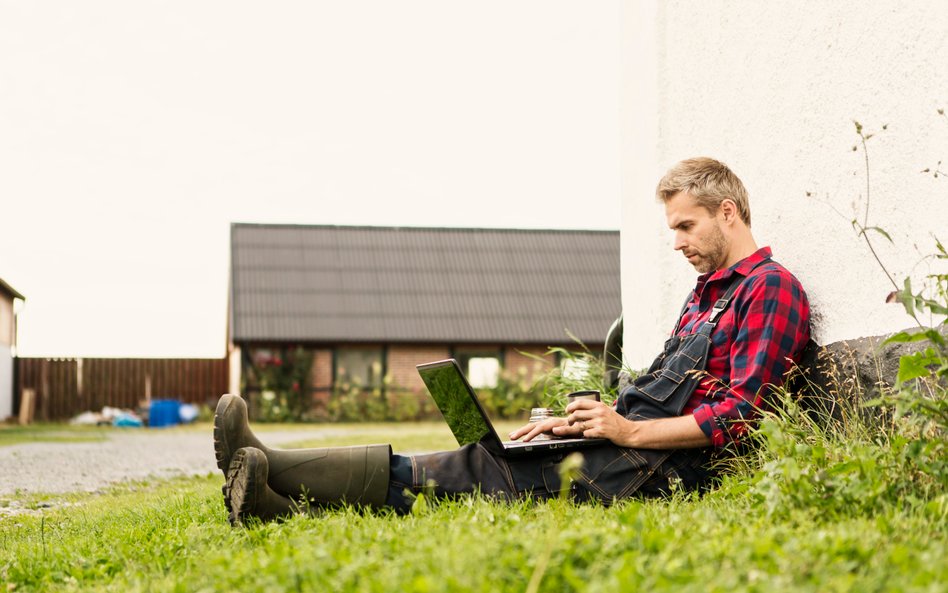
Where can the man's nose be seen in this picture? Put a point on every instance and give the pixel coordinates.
(679, 242)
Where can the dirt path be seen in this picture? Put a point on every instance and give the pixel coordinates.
(123, 455)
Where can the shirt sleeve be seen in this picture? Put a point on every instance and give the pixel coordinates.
(772, 327)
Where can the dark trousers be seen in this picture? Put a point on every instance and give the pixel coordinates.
(608, 474)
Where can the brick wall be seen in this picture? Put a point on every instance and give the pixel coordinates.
(320, 377)
(402, 361)
(403, 358)
(516, 358)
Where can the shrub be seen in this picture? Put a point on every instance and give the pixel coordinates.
(282, 377)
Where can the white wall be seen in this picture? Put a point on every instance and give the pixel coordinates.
(772, 90)
(6, 382)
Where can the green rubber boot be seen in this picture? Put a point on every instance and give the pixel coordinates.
(232, 430)
(354, 475)
(249, 494)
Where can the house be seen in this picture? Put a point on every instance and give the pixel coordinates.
(369, 303)
(7, 346)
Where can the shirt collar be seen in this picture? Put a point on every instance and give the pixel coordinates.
(742, 267)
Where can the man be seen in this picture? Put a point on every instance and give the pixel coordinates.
(742, 327)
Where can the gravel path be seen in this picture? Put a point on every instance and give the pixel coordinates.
(123, 455)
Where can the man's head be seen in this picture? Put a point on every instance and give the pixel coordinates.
(707, 207)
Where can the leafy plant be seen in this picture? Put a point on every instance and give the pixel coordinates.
(849, 463)
(922, 381)
(578, 370)
(282, 377)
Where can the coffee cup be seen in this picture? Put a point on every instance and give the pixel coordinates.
(592, 394)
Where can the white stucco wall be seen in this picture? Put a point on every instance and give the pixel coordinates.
(772, 90)
(6, 382)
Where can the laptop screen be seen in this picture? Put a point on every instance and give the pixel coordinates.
(453, 397)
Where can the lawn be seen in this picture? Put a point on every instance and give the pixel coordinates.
(407, 437)
(50, 433)
(772, 528)
(173, 536)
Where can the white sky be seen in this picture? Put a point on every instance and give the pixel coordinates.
(133, 133)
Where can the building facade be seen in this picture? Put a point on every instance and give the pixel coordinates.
(327, 310)
(7, 346)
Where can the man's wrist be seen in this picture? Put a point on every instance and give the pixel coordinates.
(630, 433)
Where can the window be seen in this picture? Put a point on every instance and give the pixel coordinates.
(483, 372)
(481, 367)
(363, 367)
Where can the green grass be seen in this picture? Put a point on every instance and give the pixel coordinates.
(404, 437)
(173, 536)
(51, 433)
(860, 504)
(407, 436)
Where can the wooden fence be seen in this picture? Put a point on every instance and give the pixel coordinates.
(66, 387)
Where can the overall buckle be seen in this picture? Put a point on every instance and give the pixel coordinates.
(719, 306)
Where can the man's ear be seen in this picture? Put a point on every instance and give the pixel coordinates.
(728, 209)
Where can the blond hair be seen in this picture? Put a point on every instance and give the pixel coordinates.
(709, 182)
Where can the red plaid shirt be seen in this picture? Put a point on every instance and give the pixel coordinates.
(756, 341)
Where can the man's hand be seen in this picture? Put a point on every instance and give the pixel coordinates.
(530, 431)
(590, 419)
(593, 419)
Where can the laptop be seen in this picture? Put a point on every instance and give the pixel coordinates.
(465, 415)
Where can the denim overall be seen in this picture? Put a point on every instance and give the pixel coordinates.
(609, 472)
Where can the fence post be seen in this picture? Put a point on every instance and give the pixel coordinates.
(27, 406)
(44, 391)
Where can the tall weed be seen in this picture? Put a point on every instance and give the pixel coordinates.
(862, 457)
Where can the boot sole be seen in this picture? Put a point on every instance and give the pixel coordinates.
(241, 486)
(220, 438)
(250, 496)
(220, 445)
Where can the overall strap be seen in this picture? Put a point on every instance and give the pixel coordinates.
(681, 315)
(721, 305)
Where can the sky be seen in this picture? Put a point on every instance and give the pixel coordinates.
(132, 134)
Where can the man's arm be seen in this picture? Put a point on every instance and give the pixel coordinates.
(593, 419)
(597, 420)
(772, 329)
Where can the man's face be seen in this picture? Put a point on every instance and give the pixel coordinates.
(698, 233)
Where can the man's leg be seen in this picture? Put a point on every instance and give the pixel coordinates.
(471, 468)
(354, 475)
(611, 473)
(371, 476)
(608, 474)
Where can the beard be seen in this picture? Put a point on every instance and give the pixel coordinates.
(713, 254)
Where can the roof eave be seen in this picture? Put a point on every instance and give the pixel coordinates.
(9, 289)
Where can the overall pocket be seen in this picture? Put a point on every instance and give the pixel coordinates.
(611, 473)
(667, 391)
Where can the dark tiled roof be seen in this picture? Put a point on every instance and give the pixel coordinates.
(383, 284)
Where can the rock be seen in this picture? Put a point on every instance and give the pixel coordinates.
(850, 370)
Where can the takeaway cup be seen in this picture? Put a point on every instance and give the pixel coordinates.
(585, 394)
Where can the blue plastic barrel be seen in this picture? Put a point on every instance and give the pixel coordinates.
(164, 412)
